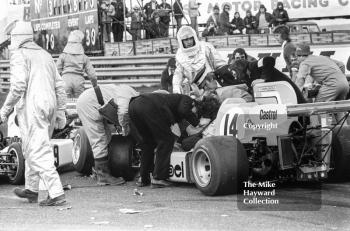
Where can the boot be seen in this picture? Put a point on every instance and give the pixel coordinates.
(103, 173)
(57, 201)
(26, 193)
(160, 183)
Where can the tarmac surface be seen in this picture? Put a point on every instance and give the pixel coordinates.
(182, 207)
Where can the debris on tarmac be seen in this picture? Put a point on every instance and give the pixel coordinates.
(67, 187)
(224, 215)
(100, 222)
(148, 226)
(64, 208)
(137, 192)
(92, 218)
(129, 211)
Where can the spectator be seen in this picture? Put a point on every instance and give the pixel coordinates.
(167, 75)
(178, 13)
(238, 54)
(224, 19)
(107, 18)
(237, 23)
(193, 13)
(250, 23)
(157, 28)
(280, 15)
(288, 48)
(165, 17)
(136, 22)
(214, 17)
(149, 8)
(323, 71)
(264, 20)
(118, 20)
(211, 30)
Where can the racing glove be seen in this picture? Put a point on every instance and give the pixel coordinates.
(61, 120)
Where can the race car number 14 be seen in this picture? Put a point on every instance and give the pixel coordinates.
(228, 125)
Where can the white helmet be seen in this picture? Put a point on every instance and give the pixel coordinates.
(20, 31)
(186, 32)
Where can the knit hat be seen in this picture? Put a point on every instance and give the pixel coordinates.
(216, 7)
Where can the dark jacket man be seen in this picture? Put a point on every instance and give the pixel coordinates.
(268, 17)
(153, 115)
(118, 21)
(149, 8)
(280, 15)
(178, 13)
(165, 19)
(224, 23)
(250, 23)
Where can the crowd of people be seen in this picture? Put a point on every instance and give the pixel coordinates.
(220, 24)
(154, 18)
(195, 82)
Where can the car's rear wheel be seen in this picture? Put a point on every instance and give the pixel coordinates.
(82, 153)
(121, 150)
(219, 165)
(16, 159)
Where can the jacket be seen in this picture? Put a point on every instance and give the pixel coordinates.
(214, 18)
(36, 89)
(238, 22)
(175, 107)
(136, 22)
(149, 10)
(178, 9)
(250, 22)
(288, 50)
(280, 14)
(165, 19)
(224, 21)
(268, 18)
(75, 64)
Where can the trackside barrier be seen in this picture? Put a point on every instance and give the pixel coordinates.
(135, 71)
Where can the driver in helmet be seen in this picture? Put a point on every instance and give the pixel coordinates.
(194, 58)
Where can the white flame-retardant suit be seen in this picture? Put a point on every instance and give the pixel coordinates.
(190, 61)
(96, 128)
(38, 92)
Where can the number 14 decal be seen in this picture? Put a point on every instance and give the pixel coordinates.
(230, 129)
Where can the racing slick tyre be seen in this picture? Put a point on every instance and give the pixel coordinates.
(219, 165)
(82, 156)
(121, 156)
(340, 157)
(16, 157)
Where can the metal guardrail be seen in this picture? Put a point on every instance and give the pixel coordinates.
(135, 71)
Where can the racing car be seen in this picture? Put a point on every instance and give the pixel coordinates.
(265, 139)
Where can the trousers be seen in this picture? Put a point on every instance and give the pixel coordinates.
(154, 130)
